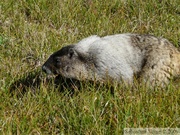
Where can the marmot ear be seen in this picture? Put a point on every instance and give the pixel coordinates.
(71, 52)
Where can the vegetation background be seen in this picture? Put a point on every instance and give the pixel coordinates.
(30, 30)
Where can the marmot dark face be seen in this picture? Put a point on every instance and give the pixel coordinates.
(66, 62)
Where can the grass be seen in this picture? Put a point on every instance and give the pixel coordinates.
(31, 30)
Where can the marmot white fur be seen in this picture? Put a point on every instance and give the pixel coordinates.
(117, 58)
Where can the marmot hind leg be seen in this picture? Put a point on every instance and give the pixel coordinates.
(158, 68)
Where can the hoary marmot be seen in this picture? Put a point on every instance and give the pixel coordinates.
(117, 58)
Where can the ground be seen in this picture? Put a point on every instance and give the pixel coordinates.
(32, 30)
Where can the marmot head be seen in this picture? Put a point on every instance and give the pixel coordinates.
(68, 63)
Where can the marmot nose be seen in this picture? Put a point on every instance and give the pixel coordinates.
(46, 70)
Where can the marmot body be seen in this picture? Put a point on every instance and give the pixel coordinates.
(118, 58)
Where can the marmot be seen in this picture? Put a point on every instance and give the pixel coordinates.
(117, 57)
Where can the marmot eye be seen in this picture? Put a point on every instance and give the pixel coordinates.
(57, 60)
